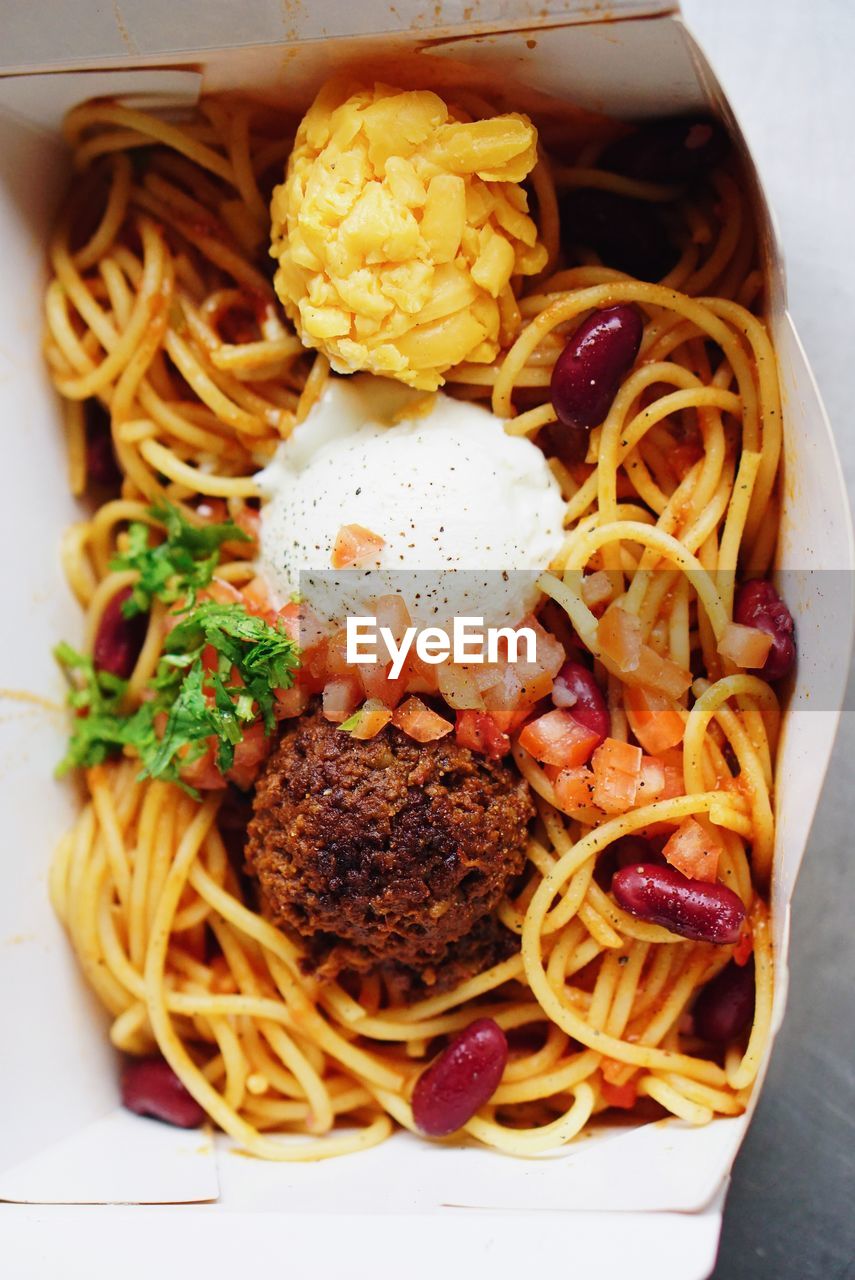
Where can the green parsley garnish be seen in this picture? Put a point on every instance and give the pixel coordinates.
(194, 695)
(100, 725)
(264, 659)
(193, 703)
(177, 568)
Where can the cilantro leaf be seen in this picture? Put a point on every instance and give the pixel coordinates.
(188, 702)
(189, 724)
(264, 656)
(177, 568)
(101, 727)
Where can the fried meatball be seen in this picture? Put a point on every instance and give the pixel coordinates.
(488, 942)
(388, 854)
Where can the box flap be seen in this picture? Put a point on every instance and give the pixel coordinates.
(43, 34)
(625, 69)
(121, 1159)
(141, 1243)
(664, 1167)
(42, 101)
(57, 1081)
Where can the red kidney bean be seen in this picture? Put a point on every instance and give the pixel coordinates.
(576, 689)
(118, 640)
(570, 444)
(464, 1076)
(151, 1088)
(102, 469)
(725, 1006)
(626, 852)
(692, 908)
(632, 851)
(626, 234)
(593, 364)
(757, 604)
(681, 149)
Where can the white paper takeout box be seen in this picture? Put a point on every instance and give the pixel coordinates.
(648, 1198)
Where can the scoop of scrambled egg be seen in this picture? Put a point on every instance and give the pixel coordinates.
(397, 230)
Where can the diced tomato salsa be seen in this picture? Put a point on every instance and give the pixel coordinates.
(479, 731)
(558, 738)
(654, 718)
(574, 788)
(694, 851)
(354, 546)
(488, 704)
(370, 719)
(420, 722)
(617, 772)
(744, 948)
(622, 1096)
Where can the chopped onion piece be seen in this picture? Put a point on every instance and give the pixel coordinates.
(746, 646)
(619, 635)
(341, 697)
(597, 589)
(459, 687)
(661, 674)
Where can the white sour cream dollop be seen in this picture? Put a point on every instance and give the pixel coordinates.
(439, 480)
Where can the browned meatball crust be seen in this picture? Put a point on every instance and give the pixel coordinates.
(388, 854)
(487, 943)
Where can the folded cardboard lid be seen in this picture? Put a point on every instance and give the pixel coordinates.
(42, 34)
(140, 1243)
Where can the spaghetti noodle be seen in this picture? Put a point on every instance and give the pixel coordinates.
(160, 310)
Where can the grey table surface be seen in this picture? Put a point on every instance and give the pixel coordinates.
(789, 69)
